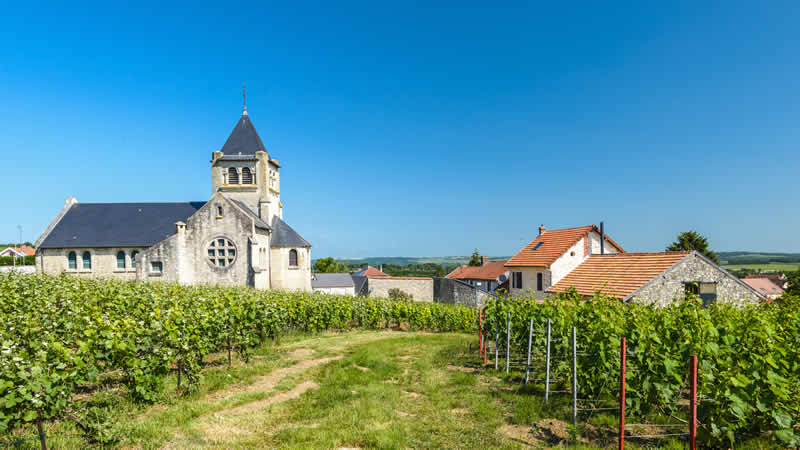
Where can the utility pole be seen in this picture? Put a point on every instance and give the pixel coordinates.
(19, 246)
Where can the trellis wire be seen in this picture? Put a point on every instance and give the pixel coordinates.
(525, 362)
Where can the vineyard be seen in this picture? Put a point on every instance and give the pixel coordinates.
(60, 333)
(748, 359)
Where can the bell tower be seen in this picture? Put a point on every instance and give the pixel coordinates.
(243, 170)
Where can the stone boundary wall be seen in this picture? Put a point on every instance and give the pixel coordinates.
(457, 292)
(18, 269)
(420, 288)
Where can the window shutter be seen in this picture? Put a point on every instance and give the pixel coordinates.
(233, 176)
(247, 176)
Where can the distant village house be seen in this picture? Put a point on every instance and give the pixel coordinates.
(486, 277)
(587, 260)
(18, 252)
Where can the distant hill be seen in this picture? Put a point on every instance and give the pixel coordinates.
(741, 258)
(406, 260)
(726, 258)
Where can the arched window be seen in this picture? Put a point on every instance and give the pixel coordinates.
(247, 176)
(134, 254)
(87, 260)
(233, 175)
(292, 258)
(72, 258)
(120, 259)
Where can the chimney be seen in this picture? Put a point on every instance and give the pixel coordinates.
(542, 229)
(484, 260)
(180, 228)
(602, 239)
(381, 268)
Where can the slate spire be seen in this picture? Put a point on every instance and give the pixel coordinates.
(244, 139)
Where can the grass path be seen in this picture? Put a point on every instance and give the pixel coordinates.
(351, 390)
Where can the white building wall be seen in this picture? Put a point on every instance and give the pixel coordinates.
(337, 290)
(530, 282)
(290, 278)
(567, 262)
(594, 244)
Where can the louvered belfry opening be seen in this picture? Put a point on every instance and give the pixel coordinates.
(233, 176)
(247, 176)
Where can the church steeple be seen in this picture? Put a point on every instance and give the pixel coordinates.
(244, 171)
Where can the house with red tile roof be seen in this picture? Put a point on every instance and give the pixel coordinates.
(552, 255)
(370, 271)
(574, 259)
(487, 277)
(657, 278)
(779, 279)
(24, 250)
(765, 286)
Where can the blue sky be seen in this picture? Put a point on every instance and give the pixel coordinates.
(418, 129)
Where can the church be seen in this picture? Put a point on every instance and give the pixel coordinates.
(238, 237)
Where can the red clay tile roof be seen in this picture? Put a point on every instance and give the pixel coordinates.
(371, 272)
(490, 271)
(617, 275)
(554, 243)
(26, 250)
(763, 285)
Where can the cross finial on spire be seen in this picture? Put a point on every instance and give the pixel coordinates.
(244, 100)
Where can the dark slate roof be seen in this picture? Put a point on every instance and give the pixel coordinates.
(244, 139)
(325, 280)
(284, 236)
(118, 224)
(359, 283)
(259, 223)
(238, 158)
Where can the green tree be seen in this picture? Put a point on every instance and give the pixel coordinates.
(793, 278)
(475, 261)
(692, 240)
(329, 265)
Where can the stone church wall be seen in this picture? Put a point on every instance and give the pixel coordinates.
(54, 261)
(184, 255)
(292, 278)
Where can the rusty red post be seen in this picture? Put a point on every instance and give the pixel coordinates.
(693, 403)
(485, 343)
(622, 356)
(480, 332)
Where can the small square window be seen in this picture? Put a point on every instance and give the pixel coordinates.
(156, 266)
(221, 252)
(221, 242)
(221, 262)
(211, 253)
